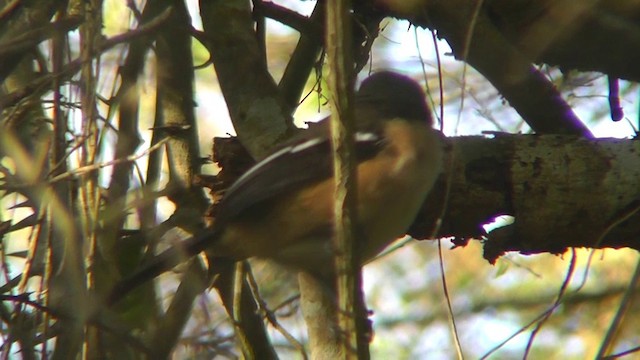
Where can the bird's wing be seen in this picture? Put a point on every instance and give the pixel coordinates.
(288, 169)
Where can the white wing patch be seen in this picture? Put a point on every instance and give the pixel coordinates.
(305, 145)
(296, 148)
(262, 163)
(366, 136)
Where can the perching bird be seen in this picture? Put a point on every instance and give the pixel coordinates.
(282, 208)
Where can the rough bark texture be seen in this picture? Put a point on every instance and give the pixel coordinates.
(260, 117)
(563, 192)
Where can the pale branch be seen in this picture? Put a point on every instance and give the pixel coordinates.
(562, 191)
(259, 115)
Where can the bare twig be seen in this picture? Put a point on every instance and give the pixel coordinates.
(271, 317)
(620, 313)
(41, 84)
(98, 166)
(556, 304)
(238, 282)
(450, 316)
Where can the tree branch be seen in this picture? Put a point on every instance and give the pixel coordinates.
(549, 184)
(258, 114)
(512, 73)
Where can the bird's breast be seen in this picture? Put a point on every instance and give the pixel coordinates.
(393, 186)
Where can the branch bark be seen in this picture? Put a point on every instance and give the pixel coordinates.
(562, 191)
(175, 109)
(260, 117)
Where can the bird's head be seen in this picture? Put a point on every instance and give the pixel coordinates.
(392, 95)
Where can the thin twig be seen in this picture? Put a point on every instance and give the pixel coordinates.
(450, 316)
(465, 55)
(622, 310)
(8, 8)
(618, 219)
(238, 281)
(559, 298)
(621, 354)
(44, 82)
(95, 167)
(271, 317)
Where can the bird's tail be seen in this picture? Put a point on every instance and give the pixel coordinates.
(162, 263)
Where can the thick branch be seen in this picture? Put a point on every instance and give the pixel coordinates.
(259, 116)
(562, 191)
(601, 36)
(175, 109)
(23, 30)
(511, 72)
(302, 61)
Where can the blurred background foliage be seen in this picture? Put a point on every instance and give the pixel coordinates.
(404, 289)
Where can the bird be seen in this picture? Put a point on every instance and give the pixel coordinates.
(282, 207)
